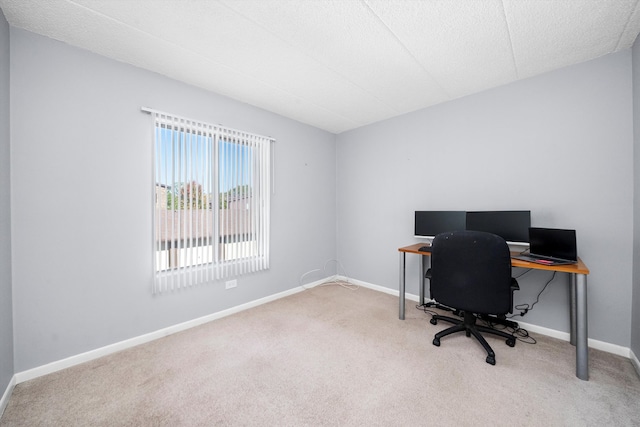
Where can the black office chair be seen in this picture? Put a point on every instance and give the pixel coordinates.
(471, 273)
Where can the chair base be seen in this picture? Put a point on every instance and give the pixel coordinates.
(468, 325)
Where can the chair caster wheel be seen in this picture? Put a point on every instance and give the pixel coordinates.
(436, 342)
(433, 321)
(511, 342)
(491, 360)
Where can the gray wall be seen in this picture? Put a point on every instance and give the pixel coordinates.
(6, 318)
(635, 324)
(81, 270)
(82, 197)
(571, 130)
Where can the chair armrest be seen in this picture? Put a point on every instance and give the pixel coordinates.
(428, 274)
(514, 285)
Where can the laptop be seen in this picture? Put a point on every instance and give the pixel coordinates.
(551, 246)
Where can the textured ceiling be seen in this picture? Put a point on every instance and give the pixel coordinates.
(338, 64)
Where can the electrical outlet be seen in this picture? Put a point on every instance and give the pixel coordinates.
(231, 284)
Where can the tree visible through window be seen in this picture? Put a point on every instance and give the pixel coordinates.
(211, 214)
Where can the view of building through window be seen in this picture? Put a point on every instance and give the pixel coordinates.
(211, 201)
(187, 208)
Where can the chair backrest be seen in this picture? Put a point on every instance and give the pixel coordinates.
(471, 271)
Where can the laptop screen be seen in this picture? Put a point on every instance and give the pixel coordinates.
(553, 242)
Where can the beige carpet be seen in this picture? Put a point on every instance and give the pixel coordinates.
(331, 356)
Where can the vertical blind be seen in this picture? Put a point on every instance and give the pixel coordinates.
(212, 202)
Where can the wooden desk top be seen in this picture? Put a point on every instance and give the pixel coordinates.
(579, 268)
(414, 249)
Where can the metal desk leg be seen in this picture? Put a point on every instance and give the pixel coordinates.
(423, 270)
(572, 309)
(401, 287)
(582, 345)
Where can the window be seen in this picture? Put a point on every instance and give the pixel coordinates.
(211, 210)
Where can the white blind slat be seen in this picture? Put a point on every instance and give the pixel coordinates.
(211, 211)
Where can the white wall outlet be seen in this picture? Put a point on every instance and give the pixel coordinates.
(231, 284)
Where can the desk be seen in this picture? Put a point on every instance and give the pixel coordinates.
(577, 309)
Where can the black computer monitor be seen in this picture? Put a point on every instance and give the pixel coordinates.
(431, 223)
(512, 226)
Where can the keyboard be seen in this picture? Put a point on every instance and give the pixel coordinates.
(425, 249)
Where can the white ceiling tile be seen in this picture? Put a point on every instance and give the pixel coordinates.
(338, 64)
(548, 35)
(245, 48)
(346, 37)
(630, 32)
(464, 45)
(283, 103)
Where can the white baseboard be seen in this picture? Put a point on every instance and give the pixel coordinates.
(565, 336)
(7, 394)
(375, 287)
(634, 361)
(599, 345)
(132, 342)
